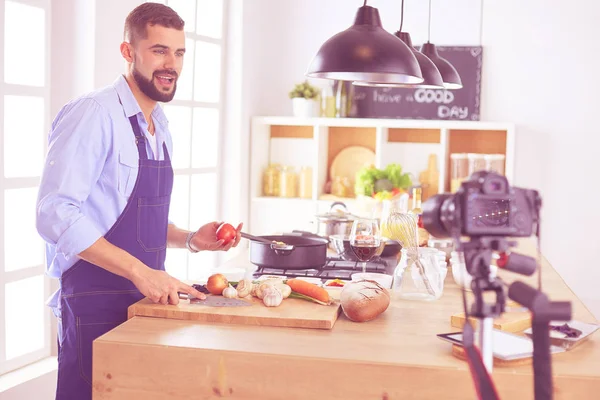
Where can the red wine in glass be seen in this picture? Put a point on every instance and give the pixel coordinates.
(364, 251)
(365, 240)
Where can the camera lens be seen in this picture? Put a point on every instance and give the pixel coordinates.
(434, 210)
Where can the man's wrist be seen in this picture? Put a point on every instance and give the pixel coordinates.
(188, 242)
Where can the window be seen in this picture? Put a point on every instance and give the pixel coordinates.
(24, 122)
(195, 121)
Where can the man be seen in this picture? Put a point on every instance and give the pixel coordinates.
(105, 193)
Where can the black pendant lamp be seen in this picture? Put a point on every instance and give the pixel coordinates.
(432, 79)
(366, 52)
(449, 74)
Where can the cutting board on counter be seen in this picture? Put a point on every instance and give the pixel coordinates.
(292, 313)
(510, 321)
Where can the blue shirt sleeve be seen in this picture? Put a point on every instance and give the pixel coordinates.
(78, 147)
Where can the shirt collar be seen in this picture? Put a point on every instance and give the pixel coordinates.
(130, 104)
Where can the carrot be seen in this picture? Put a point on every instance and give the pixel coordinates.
(309, 290)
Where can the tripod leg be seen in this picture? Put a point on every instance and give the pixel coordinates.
(486, 344)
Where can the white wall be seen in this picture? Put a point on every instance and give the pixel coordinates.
(539, 71)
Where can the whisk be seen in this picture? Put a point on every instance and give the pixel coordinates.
(403, 228)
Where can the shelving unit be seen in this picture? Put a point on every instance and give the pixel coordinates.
(315, 142)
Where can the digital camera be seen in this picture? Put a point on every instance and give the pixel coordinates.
(484, 205)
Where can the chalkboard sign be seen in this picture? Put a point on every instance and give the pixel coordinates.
(407, 103)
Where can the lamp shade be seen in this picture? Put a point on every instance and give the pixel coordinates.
(449, 74)
(365, 52)
(432, 79)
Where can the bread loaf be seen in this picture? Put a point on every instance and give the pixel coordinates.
(364, 300)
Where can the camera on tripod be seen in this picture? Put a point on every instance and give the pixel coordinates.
(484, 205)
(485, 211)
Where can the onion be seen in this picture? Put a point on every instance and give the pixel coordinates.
(364, 300)
(217, 283)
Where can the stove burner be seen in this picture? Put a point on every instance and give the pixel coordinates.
(334, 268)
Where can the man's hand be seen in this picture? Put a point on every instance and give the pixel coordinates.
(161, 287)
(205, 238)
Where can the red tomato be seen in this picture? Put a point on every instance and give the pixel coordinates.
(226, 232)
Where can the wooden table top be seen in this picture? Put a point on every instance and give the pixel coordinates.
(403, 336)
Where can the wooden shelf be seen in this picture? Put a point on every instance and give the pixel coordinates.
(413, 135)
(315, 142)
(300, 132)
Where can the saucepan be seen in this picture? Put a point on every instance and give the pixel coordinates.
(337, 221)
(297, 251)
(341, 244)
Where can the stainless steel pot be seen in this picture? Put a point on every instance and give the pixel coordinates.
(335, 221)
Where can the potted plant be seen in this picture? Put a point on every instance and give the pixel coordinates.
(304, 100)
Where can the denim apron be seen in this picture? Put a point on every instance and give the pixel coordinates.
(93, 300)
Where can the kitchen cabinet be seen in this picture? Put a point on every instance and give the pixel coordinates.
(315, 142)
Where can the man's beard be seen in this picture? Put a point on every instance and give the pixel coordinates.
(149, 88)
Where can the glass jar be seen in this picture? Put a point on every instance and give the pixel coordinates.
(340, 187)
(271, 180)
(460, 170)
(476, 162)
(305, 185)
(495, 163)
(419, 276)
(288, 182)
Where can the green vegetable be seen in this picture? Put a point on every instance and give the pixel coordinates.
(367, 178)
(395, 175)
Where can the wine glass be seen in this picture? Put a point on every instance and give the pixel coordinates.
(365, 239)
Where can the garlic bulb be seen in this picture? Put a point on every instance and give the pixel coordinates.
(230, 292)
(273, 298)
(264, 289)
(244, 287)
(285, 290)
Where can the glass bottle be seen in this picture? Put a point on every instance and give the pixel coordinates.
(416, 205)
(328, 109)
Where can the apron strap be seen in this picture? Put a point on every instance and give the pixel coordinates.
(140, 139)
(166, 152)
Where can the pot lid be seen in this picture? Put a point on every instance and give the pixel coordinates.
(337, 214)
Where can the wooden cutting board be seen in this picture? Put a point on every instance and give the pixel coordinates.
(509, 321)
(292, 313)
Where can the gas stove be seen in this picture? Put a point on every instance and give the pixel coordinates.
(334, 268)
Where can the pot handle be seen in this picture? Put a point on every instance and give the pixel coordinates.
(283, 252)
(338, 203)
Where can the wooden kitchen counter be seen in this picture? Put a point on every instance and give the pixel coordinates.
(396, 356)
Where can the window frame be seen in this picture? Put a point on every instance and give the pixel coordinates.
(220, 106)
(23, 183)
